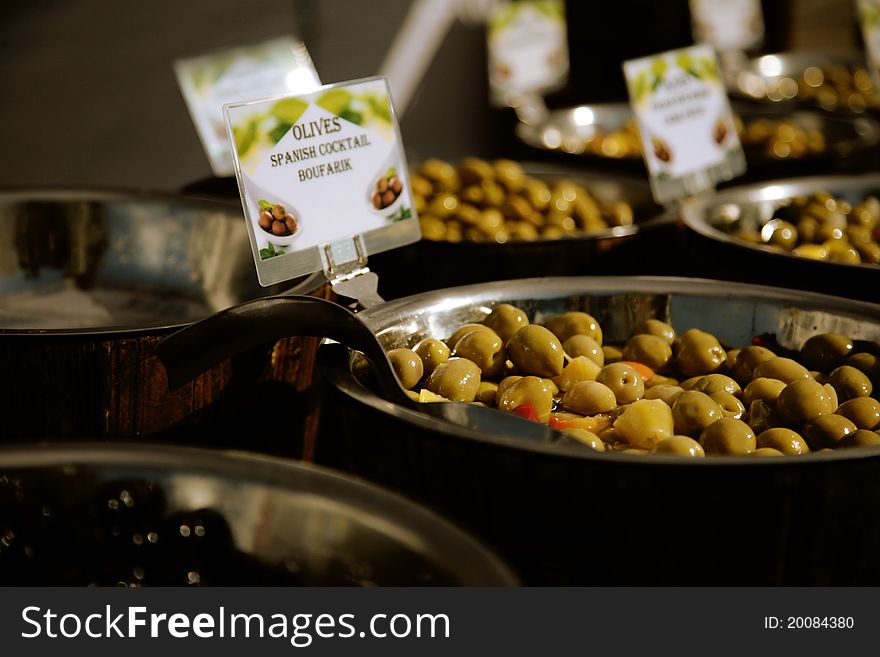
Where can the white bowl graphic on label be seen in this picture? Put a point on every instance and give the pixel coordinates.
(385, 191)
(276, 218)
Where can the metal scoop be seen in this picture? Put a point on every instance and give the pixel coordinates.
(200, 346)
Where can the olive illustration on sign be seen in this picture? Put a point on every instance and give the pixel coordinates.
(276, 220)
(387, 189)
(720, 131)
(661, 150)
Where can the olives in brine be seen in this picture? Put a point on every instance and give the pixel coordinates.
(657, 328)
(864, 412)
(827, 431)
(765, 389)
(506, 320)
(645, 423)
(747, 360)
(589, 398)
(407, 365)
(624, 381)
(730, 405)
(783, 369)
(535, 350)
(651, 350)
(584, 345)
(578, 369)
(728, 436)
(784, 440)
(849, 383)
(485, 348)
(804, 400)
(698, 352)
(574, 323)
(712, 383)
(827, 351)
(693, 412)
(432, 352)
(458, 379)
(679, 446)
(528, 390)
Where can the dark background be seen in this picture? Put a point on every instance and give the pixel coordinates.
(89, 97)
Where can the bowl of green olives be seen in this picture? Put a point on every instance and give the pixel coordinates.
(501, 219)
(718, 433)
(819, 233)
(91, 514)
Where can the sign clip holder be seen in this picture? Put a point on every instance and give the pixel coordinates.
(345, 266)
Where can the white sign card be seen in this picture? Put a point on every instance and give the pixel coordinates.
(527, 48)
(728, 24)
(686, 127)
(278, 66)
(869, 18)
(319, 169)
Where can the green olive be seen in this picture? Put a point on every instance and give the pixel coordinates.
(827, 431)
(767, 451)
(462, 331)
(803, 400)
(763, 416)
(584, 345)
(509, 174)
(693, 412)
(442, 174)
(656, 327)
(506, 320)
(486, 393)
(589, 398)
(765, 389)
(827, 351)
(473, 171)
(485, 348)
(867, 363)
(728, 436)
(747, 360)
(587, 438)
(503, 385)
(712, 383)
(679, 446)
(651, 350)
(578, 369)
(698, 352)
(783, 440)
(645, 423)
(574, 323)
(861, 438)
(457, 379)
(407, 365)
(688, 384)
(784, 369)
(730, 405)
(849, 383)
(864, 412)
(611, 353)
(731, 358)
(432, 352)
(666, 393)
(625, 382)
(535, 350)
(529, 389)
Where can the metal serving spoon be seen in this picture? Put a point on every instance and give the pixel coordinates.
(200, 346)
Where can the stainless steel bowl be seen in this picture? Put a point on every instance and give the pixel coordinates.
(783, 78)
(90, 280)
(752, 206)
(566, 515)
(429, 265)
(149, 515)
(579, 131)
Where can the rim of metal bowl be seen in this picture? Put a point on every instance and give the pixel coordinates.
(694, 212)
(336, 367)
(420, 523)
(35, 193)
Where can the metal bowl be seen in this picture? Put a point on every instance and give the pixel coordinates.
(429, 265)
(143, 515)
(728, 256)
(572, 516)
(782, 78)
(90, 280)
(583, 131)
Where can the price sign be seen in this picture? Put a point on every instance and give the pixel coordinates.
(528, 49)
(264, 69)
(686, 127)
(318, 173)
(728, 24)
